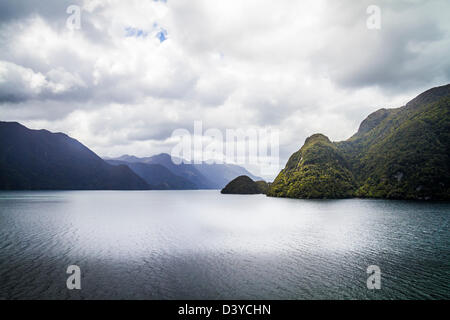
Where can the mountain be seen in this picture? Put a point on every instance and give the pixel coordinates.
(405, 153)
(242, 185)
(401, 153)
(221, 174)
(263, 186)
(39, 159)
(199, 176)
(319, 160)
(185, 170)
(157, 176)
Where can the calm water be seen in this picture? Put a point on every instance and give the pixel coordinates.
(204, 245)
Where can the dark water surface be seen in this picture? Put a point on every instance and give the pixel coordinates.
(204, 245)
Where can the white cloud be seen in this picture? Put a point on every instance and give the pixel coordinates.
(18, 83)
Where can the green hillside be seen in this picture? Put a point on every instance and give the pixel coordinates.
(317, 170)
(398, 153)
(242, 185)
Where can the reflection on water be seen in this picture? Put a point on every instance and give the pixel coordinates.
(204, 245)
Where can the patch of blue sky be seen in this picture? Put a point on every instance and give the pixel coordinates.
(158, 32)
(162, 35)
(135, 32)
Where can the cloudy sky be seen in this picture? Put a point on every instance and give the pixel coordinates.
(137, 70)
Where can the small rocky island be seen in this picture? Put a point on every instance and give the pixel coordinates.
(245, 185)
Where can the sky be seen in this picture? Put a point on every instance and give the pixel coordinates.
(135, 71)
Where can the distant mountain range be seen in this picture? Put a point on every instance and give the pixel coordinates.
(160, 172)
(401, 153)
(41, 160)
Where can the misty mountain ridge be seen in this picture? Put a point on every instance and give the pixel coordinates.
(42, 160)
(186, 175)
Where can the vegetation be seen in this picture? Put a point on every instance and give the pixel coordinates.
(245, 185)
(317, 170)
(263, 186)
(401, 153)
